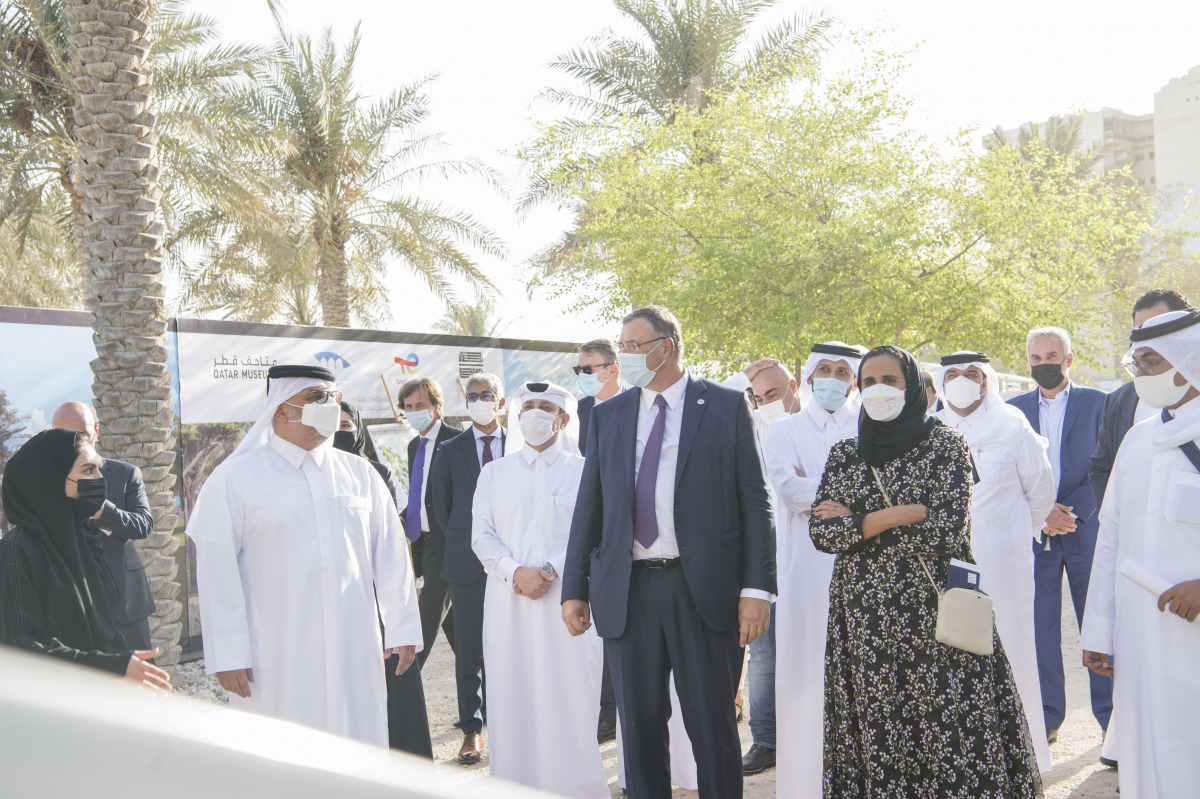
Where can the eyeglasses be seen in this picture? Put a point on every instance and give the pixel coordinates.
(1144, 367)
(485, 396)
(634, 346)
(321, 397)
(589, 370)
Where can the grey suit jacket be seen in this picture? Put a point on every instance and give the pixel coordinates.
(126, 517)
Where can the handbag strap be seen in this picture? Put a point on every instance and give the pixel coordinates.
(887, 497)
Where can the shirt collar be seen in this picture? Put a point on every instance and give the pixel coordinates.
(480, 434)
(845, 413)
(1062, 395)
(433, 431)
(673, 394)
(549, 457)
(296, 455)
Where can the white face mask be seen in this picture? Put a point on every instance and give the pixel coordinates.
(963, 392)
(882, 403)
(772, 412)
(1159, 391)
(323, 418)
(482, 413)
(537, 426)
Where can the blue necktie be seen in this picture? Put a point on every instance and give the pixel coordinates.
(645, 520)
(412, 523)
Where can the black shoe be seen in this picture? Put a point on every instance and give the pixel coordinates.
(606, 731)
(758, 760)
(1108, 763)
(1052, 736)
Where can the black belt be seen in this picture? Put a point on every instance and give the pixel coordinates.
(657, 563)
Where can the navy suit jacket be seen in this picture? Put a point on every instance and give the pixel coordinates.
(452, 486)
(1081, 425)
(723, 519)
(127, 517)
(584, 415)
(445, 433)
(1120, 407)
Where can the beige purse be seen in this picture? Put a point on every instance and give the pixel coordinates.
(965, 618)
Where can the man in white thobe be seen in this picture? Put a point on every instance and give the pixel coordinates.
(796, 449)
(1144, 594)
(299, 555)
(544, 684)
(1009, 506)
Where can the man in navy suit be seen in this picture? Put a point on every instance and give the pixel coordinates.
(1122, 408)
(599, 379)
(125, 518)
(452, 484)
(421, 400)
(1068, 416)
(672, 544)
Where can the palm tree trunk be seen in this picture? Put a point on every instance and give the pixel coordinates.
(118, 176)
(333, 274)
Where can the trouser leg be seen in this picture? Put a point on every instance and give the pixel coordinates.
(467, 599)
(1047, 620)
(640, 675)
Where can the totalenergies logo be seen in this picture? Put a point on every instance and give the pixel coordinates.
(409, 364)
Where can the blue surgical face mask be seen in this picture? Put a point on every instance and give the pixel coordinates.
(829, 392)
(420, 420)
(633, 366)
(591, 385)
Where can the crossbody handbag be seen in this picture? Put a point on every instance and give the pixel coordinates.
(965, 617)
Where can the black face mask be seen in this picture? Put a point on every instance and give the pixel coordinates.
(92, 495)
(344, 440)
(1048, 375)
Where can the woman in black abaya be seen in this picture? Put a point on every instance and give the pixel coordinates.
(56, 598)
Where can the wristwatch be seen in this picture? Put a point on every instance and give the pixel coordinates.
(548, 569)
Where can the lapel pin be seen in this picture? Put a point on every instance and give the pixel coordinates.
(700, 401)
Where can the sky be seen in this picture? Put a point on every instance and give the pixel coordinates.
(972, 66)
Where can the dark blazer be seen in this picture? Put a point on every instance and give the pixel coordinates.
(127, 517)
(1081, 425)
(1119, 409)
(723, 518)
(445, 433)
(584, 414)
(452, 486)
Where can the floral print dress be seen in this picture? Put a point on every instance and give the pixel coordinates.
(906, 716)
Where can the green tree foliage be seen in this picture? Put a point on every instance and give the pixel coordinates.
(41, 222)
(342, 193)
(474, 319)
(687, 55)
(814, 213)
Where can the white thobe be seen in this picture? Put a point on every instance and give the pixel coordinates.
(1009, 506)
(544, 683)
(802, 441)
(293, 548)
(1150, 516)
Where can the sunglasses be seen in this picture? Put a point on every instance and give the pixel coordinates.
(589, 370)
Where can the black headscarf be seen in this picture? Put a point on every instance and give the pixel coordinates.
(362, 446)
(76, 592)
(880, 442)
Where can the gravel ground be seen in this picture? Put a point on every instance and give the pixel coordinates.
(1077, 773)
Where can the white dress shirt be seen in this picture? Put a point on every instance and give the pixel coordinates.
(497, 442)
(1051, 415)
(430, 445)
(666, 545)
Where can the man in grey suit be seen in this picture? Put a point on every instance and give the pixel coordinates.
(125, 518)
